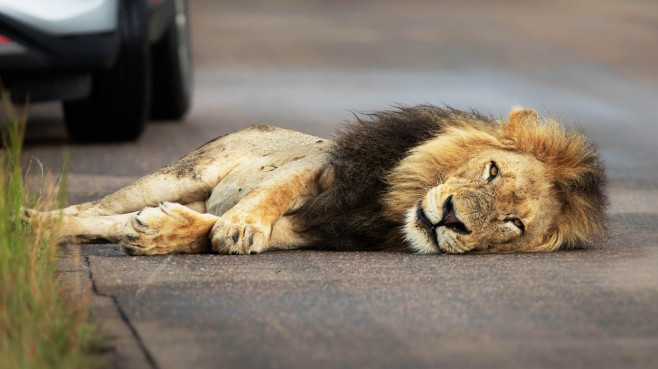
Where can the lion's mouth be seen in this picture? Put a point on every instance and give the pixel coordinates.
(448, 220)
(420, 214)
(427, 224)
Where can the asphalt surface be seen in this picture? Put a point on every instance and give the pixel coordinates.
(309, 65)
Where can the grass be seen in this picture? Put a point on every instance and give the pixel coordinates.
(40, 327)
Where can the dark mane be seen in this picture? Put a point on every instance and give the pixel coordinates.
(348, 215)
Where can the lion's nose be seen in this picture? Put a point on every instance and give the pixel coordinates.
(450, 220)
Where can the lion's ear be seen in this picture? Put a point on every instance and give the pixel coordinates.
(518, 115)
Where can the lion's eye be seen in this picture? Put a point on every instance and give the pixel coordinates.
(493, 171)
(517, 223)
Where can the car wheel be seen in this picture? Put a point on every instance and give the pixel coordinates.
(117, 108)
(171, 64)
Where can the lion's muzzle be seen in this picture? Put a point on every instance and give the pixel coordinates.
(448, 219)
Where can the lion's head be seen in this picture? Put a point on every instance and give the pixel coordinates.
(520, 185)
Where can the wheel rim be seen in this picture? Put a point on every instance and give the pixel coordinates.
(182, 29)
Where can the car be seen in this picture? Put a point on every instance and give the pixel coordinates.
(113, 63)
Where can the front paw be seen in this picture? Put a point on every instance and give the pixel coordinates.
(239, 237)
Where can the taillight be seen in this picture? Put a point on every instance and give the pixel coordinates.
(4, 40)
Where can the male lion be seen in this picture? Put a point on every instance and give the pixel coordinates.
(423, 179)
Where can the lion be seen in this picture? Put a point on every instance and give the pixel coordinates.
(421, 179)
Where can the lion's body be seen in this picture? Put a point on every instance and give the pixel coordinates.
(421, 179)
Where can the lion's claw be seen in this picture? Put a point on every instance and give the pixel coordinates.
(238, 238)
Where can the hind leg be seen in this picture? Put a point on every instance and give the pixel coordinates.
(166, 229)
(192, 178)
(187, 181)
(89, 229)
(155, 188)
(82, 227)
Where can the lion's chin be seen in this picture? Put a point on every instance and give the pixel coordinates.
(423, 240)
(418, 237)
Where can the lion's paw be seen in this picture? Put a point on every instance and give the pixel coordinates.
(168, 228)
(239, 237)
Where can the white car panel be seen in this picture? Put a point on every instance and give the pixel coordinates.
(64, 17)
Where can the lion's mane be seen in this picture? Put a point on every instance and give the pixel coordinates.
(363, 210)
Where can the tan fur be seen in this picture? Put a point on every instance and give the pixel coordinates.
(239, 193)
(538, 162)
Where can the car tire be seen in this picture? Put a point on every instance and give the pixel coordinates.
(171, 64)
(118, 106)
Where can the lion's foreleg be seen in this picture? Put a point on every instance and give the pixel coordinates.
(248, 226)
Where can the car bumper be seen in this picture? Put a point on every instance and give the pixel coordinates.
(25, 48)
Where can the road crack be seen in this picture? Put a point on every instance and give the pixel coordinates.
(124, 317)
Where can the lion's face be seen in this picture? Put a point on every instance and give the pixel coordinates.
(497, 201)
(520, 185)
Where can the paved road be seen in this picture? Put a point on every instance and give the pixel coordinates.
(307, 66)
